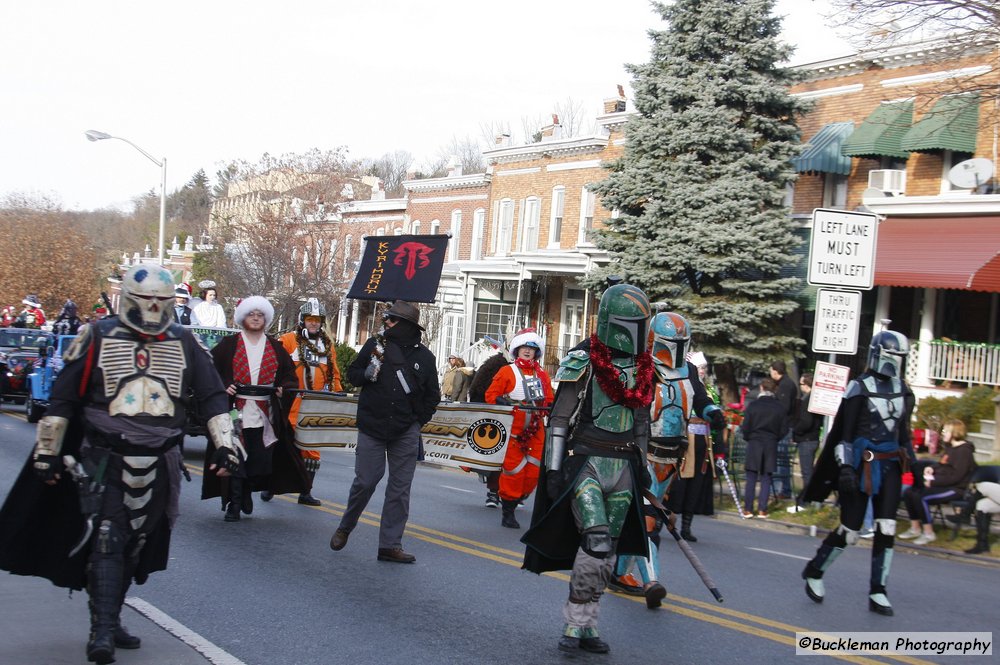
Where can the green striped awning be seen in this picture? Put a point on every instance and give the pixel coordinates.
(881, 132)
(951, 125)
(822, 152)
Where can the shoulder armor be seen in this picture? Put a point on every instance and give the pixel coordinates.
(573, 365)
(79, 345)
(853, 389)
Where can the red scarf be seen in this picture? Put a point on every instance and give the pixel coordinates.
(241, 370)
(609, 377)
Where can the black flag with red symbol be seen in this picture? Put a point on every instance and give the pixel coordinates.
(400, 268)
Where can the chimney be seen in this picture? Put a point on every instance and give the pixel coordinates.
(454, 167)
(502, 139)
(553, 131)
(615, 104)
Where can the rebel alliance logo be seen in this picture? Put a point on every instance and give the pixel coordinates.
(487, 436)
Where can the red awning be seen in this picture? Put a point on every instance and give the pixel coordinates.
(939, 252)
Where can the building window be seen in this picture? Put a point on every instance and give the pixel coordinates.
(571, 325)
(415, 227)
(478, 227)
(505, 228)
(587, 200)
(380, 232)
(529, 224)
(435, 227)
(556, 218)
(834, 190)
(453, 333)
(398, 231)
(295, 256)
(332, 259)
(347, 254)
(494, 318)
(456, 235)
(949, 158)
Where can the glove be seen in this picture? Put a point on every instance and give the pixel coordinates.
(371, 374)
(503, 401)
(226, 458)
(717, 420)
(553, 484)
(848, 480)
(48, 467)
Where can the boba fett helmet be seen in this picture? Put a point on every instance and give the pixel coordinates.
(623, 319)
(670, 336)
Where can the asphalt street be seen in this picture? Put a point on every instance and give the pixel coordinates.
(269, 590)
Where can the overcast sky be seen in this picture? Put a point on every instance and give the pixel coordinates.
(206, 81)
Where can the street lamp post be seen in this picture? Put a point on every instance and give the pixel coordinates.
(94, 135)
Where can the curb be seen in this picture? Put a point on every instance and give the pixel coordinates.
(902, 546)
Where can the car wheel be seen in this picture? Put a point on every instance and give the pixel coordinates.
(34, 411)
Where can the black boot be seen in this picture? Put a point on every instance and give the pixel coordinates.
(686, 527)
(235, 500)
(507, 514)
(123, 638)
(104, 585)
(982, 534)
(306, 498)
(246, 499)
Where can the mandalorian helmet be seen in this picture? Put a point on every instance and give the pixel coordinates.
(887, 353)
(669, 338)
(69, 308)
(311, 307)
(147, 302)
(623, 318)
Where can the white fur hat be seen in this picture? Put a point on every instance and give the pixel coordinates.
(251, 304)
(527, 336)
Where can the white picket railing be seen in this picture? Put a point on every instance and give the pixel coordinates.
(965, 362)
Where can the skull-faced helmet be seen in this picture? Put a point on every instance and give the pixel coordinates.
(147, 298)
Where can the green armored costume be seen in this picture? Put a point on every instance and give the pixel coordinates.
(594, 457)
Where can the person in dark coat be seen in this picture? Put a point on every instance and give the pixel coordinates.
(806, 430)
(764, 423)
(787, 394)
(246, 362)
(399, 395)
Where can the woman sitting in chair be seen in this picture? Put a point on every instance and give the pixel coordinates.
(942, 482)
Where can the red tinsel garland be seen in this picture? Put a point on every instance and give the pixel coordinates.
(607, 376)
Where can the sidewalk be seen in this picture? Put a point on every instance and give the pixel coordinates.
(41, 623)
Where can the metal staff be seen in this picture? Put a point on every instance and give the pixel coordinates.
(721, 463)
(683, 544)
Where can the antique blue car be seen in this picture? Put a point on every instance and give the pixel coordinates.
(19, 349)
(40, 380)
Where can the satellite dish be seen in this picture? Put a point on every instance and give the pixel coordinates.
(971, 173)
(874, 193)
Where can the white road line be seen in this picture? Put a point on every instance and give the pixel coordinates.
(211, 652)
(790, 556)
(457, 489)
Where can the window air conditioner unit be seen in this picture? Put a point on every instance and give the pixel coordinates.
(888, 180)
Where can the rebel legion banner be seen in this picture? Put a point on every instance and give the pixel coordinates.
(473, 436)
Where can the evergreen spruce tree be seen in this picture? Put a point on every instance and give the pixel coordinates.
(699, 189)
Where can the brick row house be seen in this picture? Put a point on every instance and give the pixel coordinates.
(909, 133)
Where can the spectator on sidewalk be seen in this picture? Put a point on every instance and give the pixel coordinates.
(942, 482)
(988, 488)
(806, 430)
(764, 423)
(787, 395)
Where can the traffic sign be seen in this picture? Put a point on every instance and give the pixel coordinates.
(829, 382)
(836, 327)
(842, 249)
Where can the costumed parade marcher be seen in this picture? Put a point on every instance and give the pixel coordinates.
(866, 453)
(480, 383)
(522, 383)
(209, 313)
(67, 323)
(108, 451)
(182, 313)
(315, 358)
(256, 370)
(679, 458)
(32, 316)
(590, 511)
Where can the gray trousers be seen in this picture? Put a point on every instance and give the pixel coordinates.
(369, 467)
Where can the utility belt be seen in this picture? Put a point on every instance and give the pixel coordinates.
(665, 451)
(121, 446)
(869, 457)
(585, 445)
